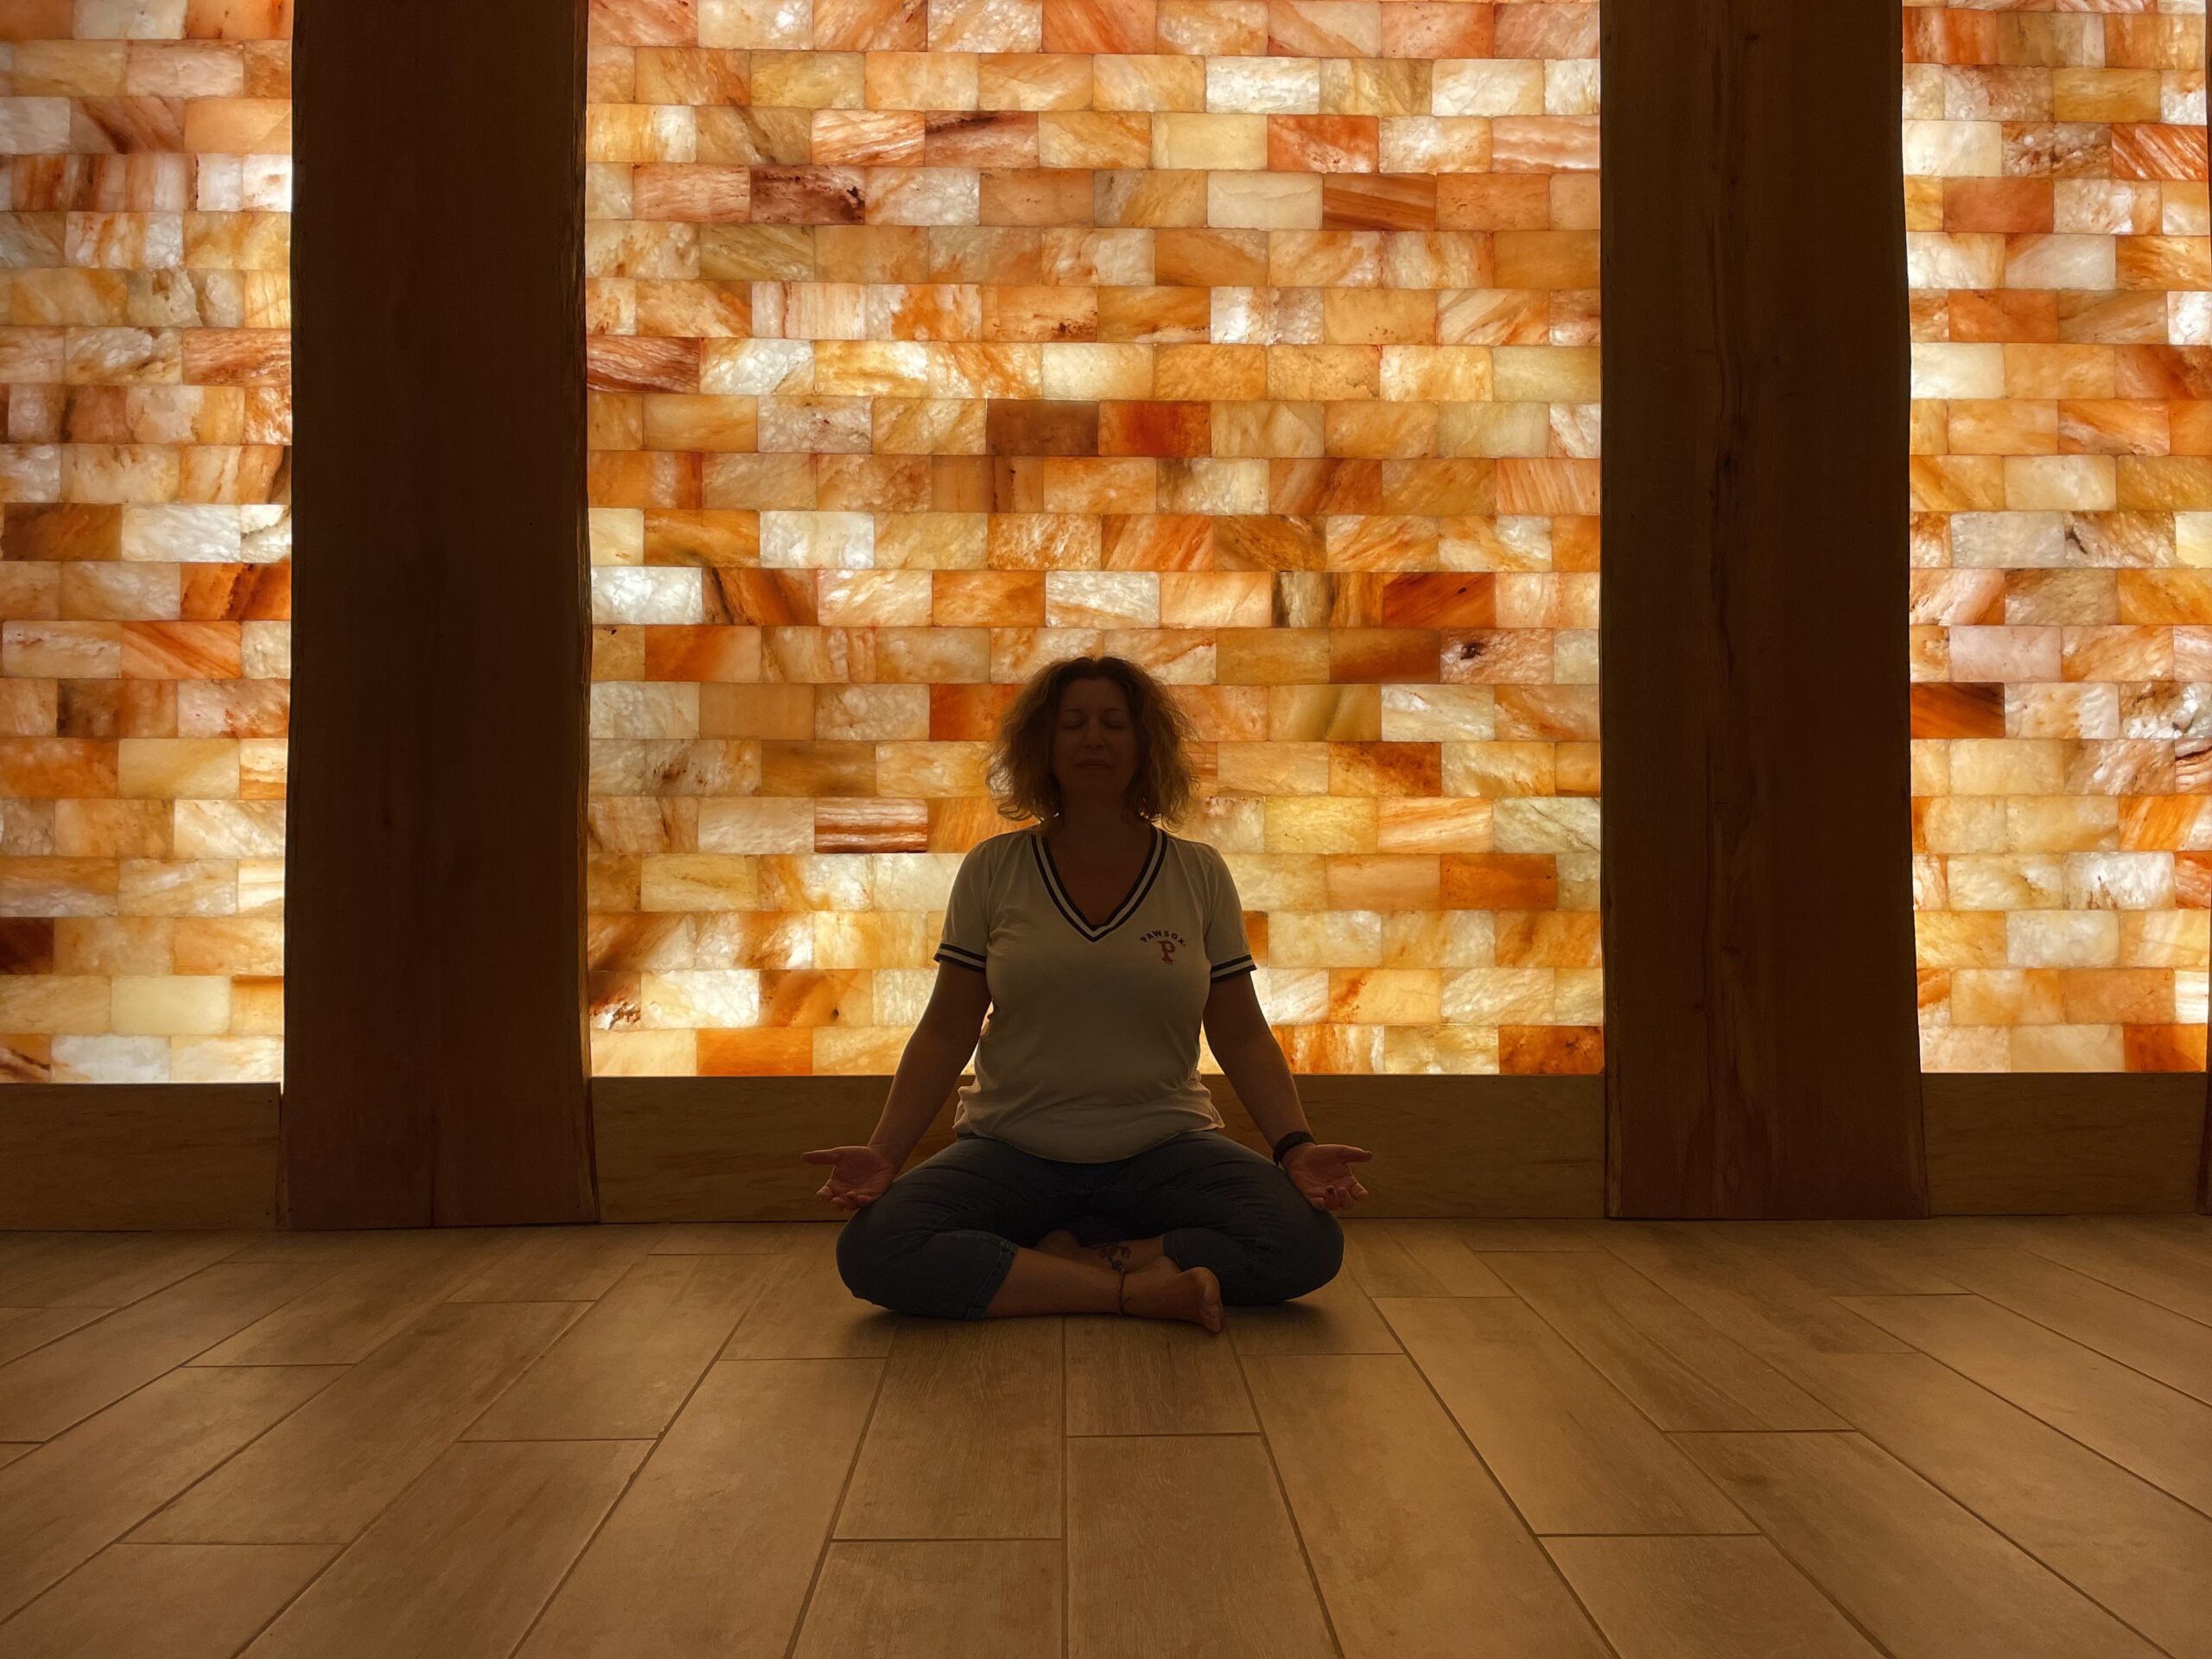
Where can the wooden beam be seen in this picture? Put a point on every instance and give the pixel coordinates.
(726, 1148)
(434, 1067)
(2063, 1142)
(131, 1156)
(1761, 1057)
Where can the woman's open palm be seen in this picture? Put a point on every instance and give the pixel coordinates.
(1323, 1174)
(858, 1175)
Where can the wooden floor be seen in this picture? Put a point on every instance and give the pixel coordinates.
(1511, 1439)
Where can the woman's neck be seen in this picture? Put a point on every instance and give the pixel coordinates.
(1097, 831)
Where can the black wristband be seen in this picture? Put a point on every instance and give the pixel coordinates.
(1296, 1137)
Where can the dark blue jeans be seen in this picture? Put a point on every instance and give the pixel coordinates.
(940, 1241)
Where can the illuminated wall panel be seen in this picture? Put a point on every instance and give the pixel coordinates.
(930, 343)
(2062, 539)
(144, 553)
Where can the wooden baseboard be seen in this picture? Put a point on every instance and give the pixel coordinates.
(126, 1157)
(726, 1148)
(2063, 1142)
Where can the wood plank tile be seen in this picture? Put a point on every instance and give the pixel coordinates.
(1704, 1598)
(1927, 1579)
(967, 1435)
(2149, 1339)
(1181, 1546)
(360, 1307)
(62, 1503)
(560, 1264)
(1337, 1318)
(749, 1472)
(67, 1380)
(1151, 1376)
(1416, 1258)
(2140, 1554)
(804, 1312)
(743, 1237)
(327, 1471)
(1760, 1305)
(106, 1269)
(462, 1564)
(1488, 1233)
(1570, 1451)
(1678, 1368)
(1419, 1554)
(1833, 1257)
(164, 1601)
(622, 1371)
(995, 1598)
(22, 1329)
(2121, 1252)
(2162, 1434)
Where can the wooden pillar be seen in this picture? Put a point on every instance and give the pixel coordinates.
(1761, 1054)
(435, 1064)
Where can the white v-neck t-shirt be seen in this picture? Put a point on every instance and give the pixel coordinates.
(1090, 1050)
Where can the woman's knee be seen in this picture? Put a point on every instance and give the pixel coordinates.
(1314, 1253)
(867, 1244)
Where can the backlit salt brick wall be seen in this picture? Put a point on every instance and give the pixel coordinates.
(2061, 536)
(931, 342)
(144, 536)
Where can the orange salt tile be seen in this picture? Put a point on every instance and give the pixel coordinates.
(1324, 487)
(1420, 29)
(632, 365)
(645, 23)
(756, 1052)
(696, 194)
(1401, 201)
(980, 138)
(56, 768)
(180, 651)
(1151, 198)
(1950, 36)
(1385, 769)
(2005, 205)
(1532, 258)
(2165, 1047)
(618, 478)
(1376, 656)
(1550, 1050)
(1322, 143)
(1036, 196)
(1119, 26)
(2112, 426)
(1212, 29)
(870, 26)
(239, 126)
(1441, 599)
(2004, 315)
(1146, 314)
(682, 73)
(808, 196)
(1154, 428)
(2180, 262)
(2152, 150)
(1545, 31)
(1943, 710)
(60, 531)
(1032, 80)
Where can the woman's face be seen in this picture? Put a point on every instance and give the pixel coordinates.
(1094, 745)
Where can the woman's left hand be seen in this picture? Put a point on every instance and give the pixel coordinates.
(1323, 1174)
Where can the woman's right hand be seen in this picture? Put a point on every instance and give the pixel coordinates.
(858, 1175)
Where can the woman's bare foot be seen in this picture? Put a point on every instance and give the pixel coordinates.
(1160, 1290)
(1059, 1242)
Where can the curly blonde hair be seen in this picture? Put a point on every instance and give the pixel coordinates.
(1165, 784)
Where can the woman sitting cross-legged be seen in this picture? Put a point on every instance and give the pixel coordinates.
(1089, 1173)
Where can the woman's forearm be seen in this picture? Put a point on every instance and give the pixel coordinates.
(1257, 1071)
(927, 1070)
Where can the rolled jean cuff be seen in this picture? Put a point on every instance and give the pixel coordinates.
(992, 1280)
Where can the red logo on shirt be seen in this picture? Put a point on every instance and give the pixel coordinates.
(1166, 939)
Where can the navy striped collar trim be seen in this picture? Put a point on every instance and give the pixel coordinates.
(1123, 910)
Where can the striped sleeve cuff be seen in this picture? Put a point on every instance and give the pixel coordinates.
(959, 957)
(1233, 966)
